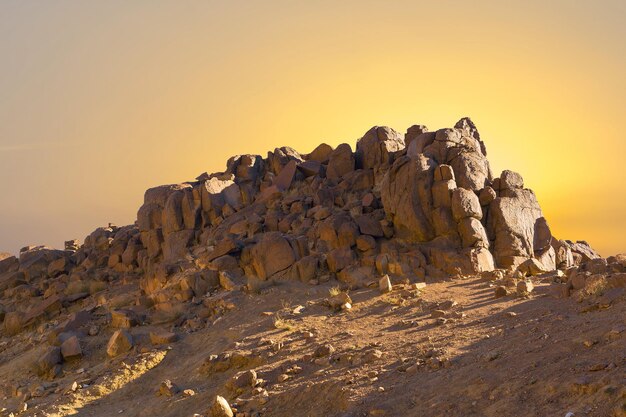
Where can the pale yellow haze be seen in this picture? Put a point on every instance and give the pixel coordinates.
(100, 100)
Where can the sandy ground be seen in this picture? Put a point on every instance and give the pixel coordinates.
(514, 356)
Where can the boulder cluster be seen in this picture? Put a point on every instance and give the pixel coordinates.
(394, 213)
(418, 206)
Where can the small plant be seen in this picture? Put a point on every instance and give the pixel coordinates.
(285, 304)
(395, 300)
(284, 324)
(334, 291)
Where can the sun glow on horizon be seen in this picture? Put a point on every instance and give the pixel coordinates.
(100, 101)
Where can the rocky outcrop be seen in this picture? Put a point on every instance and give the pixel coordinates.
(414, 206)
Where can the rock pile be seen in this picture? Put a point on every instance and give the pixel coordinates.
(394, 213)
(423, 204)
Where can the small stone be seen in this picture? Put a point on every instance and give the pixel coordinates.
(189, 392)
(372, 356)
(247, 379)
(163, 338)
(501, 291)
(283, 377)
(384, 284)
(525, 287)
(447, 305)
(94, 330)
(119, 343)
(437, 314)
(221, 408)
(124, 319)
(168, 388)
(71, 348)
(338, 301)
(49, 359)
(324, 350)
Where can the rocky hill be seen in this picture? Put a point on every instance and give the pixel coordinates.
(399, 278)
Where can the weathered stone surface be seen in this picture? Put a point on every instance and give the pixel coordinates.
(172, 217)
(310, 168)
(369, 226)
(162, 337)
(278, 159)
(376, 147)
(486, 196)
(443, 223)
(124, 319)
(365, 243)
(8, 264)
(149, 216)
(340, 162)
(542, 239)
(465, 204)
(70, 348)
(272, 254)
(442, 193)
(246, 168)
(320, 154)
(418, 143)
(461, 149)
(175, 244)
(412, 133)
(473, 233)
(510, 180)
(212, 193)
(50, 358)
(286, 176)
(384, 284)
(406, 196)
(221, 408)
(582, 252)
(511, 225)
(444, 173)
(563, 254)
(120, 342)
(34, 261)
(339, 259)
(159, 195)
(12, 323)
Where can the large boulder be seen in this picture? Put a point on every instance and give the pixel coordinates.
(582, 252)
(377, 146)
(246, 168)
(340, 162)
(272, 254)
(320, 154)
(465, 204)
(172, 217)
(412, 133)
(407, 197)
(512, 223)
(461, 148)
(9, 264)
(120, 342)
(282, 156)
(34, 261)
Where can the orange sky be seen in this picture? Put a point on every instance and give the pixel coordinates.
(101, 100)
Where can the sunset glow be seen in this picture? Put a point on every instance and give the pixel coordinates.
(102, 100)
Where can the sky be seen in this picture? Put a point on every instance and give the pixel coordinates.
(101, 100)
